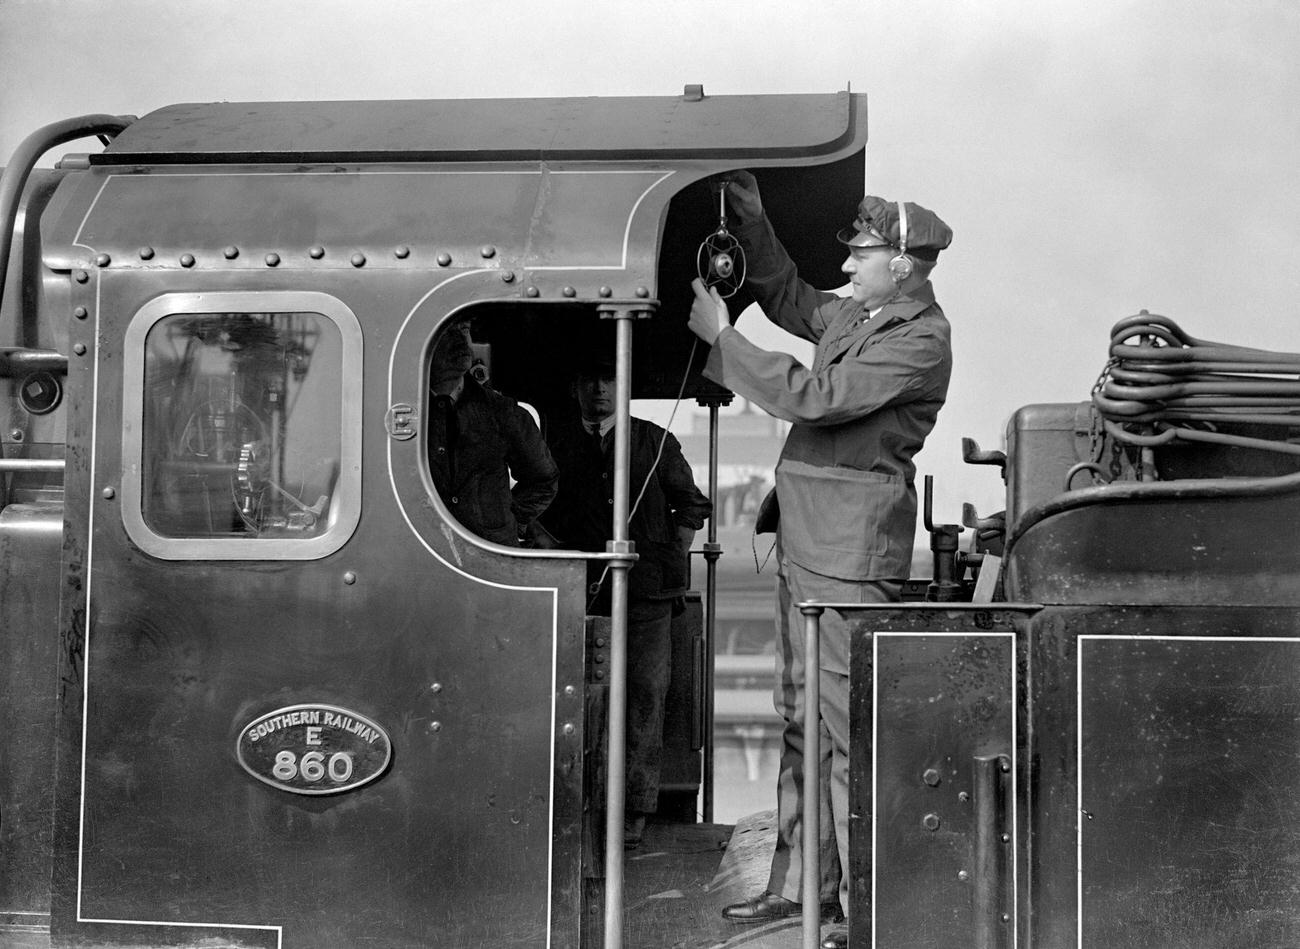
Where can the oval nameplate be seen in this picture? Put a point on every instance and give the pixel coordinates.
(314, 749)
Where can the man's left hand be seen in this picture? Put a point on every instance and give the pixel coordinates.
(709, 315)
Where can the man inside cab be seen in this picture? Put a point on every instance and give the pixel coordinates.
(479, 440)
(667, 509)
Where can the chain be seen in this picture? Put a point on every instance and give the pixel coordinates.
(1096, 431)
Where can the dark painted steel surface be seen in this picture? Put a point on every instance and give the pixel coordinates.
(541, 233)
(1190, 787)
(1210, 534)
(182, 655)
(680, 776)
(1177, 542)
(1188, 758)
(30, 535)
(937, 710)
(1156, 768)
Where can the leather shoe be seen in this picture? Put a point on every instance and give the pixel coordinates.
(767, 905)
(836, 939)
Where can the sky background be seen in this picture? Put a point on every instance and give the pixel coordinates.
(1093, 158)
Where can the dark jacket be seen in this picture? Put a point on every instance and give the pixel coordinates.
(845, 477)
(474, 454)
(581, 516)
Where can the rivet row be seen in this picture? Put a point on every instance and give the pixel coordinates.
(401, 252)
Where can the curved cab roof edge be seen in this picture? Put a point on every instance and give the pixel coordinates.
(789, 129)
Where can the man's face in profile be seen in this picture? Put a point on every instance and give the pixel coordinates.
(452, 357)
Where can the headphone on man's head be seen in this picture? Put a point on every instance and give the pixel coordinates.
(900, 268)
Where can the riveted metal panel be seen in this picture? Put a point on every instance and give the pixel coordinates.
(469, 660)
(528, 217)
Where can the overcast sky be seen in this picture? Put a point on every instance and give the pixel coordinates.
(1092, 158)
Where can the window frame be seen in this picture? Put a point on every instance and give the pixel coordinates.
(345, 505)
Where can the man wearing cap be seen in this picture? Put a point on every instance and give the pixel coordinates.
(481, 441)
(844, 481)
(667, 510)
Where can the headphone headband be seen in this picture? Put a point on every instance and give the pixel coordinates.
(900, 268)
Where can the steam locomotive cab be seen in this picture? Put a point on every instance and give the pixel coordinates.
(265, 689)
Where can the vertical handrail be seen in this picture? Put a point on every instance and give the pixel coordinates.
(988, 896)
(616, 765)
(811, 830)
(14, 178)
(711, 553)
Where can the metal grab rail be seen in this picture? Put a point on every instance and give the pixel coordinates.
(621, 547)
(712, 551)
(18, 360)
(24, 159)
(32, 465)
(812, 797)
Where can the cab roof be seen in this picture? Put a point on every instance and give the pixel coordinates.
(692, 126)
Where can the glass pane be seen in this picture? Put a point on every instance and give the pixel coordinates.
(242, 424)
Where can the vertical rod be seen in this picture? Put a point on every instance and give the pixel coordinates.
(988, 898)
(617, 763)
(810, 832)
(710, 617)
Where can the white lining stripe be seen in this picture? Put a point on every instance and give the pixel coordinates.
(1078, 735)
(875, 782)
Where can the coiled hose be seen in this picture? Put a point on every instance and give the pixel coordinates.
(1162, 385)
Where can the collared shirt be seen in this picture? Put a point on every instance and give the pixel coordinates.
(455, 392)
(581, 516)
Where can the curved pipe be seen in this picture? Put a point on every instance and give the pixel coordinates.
(24, 159)
(1138, 492)
(1249, 387)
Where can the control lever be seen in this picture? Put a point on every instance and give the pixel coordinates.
(989, 531)
(972, 454)
(971, 518)
(944, 588)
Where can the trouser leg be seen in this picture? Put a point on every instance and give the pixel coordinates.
(797, 585)
(835, 732)
(787, 860)
(649, 667)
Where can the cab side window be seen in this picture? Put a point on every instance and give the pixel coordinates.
(242, 429)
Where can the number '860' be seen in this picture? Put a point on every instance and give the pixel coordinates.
(313, 766)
